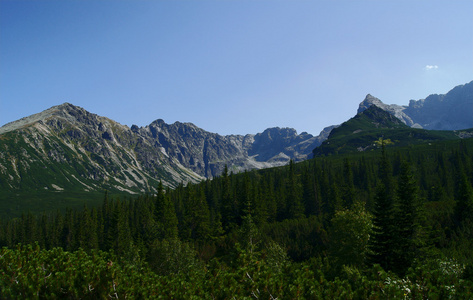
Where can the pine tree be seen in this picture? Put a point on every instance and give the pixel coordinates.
(44, 232)
(406, 219)
(104, 220)
(166, 219)
(87, 235)
(230, 205)
(334, 202)
(311, 196)
(68, 236)
(383, 239)
(29, 228)
(145, 226)
(249, 234)
(464, 199)
(269, 198)
(294, 194)
(196, 222)
(119, 234)
(56, 230)
(348, 193)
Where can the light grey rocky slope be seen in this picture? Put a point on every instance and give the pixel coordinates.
(451, 111)
(207, 153)
(66, 146)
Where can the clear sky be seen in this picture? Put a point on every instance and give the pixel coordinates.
(229, 66)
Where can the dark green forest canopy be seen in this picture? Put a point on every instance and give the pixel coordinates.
(277, 232)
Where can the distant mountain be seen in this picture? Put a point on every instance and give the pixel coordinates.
(451, 111)
(207, 153)
(372, 127)
(67, 148)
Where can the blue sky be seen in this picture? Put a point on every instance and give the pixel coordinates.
(229, 66)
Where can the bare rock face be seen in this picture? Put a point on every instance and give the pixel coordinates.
(451, 111)
(207, 153)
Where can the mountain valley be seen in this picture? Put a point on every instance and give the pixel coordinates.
(68, 149)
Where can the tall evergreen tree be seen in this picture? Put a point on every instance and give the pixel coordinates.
(229, 203)
(44, 232)
(146, 225)
(312, 203)
(68, 235)
(56, 229)
(87, 235)
(334, 200)
(295, 207)
(463, 199)
(196, 222)
(348, 193)
(406, 219)
(119, 233)
(269, 198)
(383, 239)
(166, 218)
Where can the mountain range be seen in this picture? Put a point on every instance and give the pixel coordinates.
(451, 111)
(66, 148)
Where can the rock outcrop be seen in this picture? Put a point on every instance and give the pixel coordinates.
(451, 111)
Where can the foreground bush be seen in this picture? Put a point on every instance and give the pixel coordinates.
(29, 272)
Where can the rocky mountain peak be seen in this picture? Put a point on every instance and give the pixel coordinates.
(395, 110)
(369, 101)
(451, 111)
(55, 111)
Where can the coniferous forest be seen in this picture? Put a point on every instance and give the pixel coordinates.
(393, 223)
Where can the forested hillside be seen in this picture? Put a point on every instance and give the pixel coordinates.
(388, 223)
(365, 131)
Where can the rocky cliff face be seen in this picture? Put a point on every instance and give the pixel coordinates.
(451, 111)
(207, 153)
(66, 147)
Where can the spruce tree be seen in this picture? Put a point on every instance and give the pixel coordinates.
(196, 222)
(464, 199)
(120, 233)
(87, 235)
(68, 238)
(229, 203)
(145, 224)
(348, 192)
(406, 219)
(166, 218)
(44, 232)
(294, 194)
(383, 239)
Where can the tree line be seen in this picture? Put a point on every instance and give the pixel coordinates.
(342, 215)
